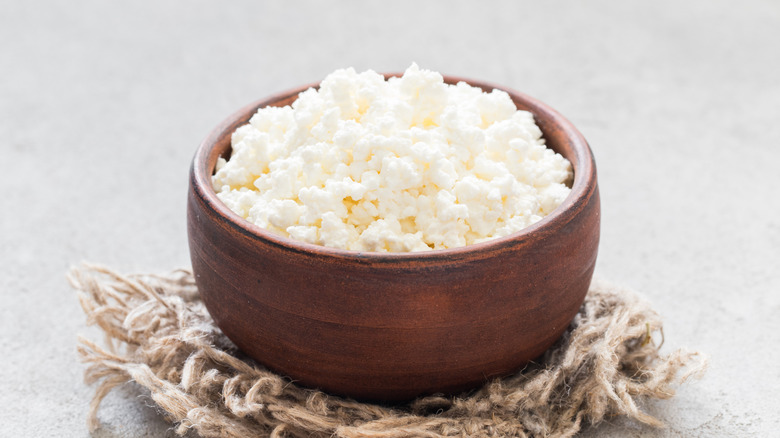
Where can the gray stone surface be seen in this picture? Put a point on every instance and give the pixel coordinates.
(103, 103)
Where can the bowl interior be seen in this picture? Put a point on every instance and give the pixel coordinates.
(559, 134)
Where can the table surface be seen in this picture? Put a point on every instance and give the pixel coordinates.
(102, 105)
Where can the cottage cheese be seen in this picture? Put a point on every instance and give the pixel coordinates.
(407, 164)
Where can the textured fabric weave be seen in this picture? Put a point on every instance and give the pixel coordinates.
(161, 336)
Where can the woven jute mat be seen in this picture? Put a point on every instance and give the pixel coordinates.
(160, 335)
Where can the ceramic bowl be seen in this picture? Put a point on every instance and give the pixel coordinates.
(392, 326)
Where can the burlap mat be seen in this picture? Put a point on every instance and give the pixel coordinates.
(161, 336)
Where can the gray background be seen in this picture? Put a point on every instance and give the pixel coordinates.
(102, 105)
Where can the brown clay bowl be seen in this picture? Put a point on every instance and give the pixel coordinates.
(392, 326)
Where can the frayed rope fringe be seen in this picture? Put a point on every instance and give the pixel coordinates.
(160, 335)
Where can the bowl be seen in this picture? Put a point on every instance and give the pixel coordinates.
(393, 326)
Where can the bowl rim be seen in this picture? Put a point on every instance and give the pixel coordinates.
(583, 187)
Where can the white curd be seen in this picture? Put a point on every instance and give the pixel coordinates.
(407, 164)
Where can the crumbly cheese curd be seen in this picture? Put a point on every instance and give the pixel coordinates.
(404, 164)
